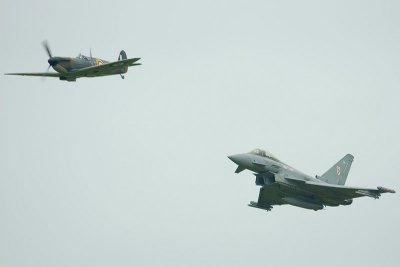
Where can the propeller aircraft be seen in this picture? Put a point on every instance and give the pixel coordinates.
(69, 69)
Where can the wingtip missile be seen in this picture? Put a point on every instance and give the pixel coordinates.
(386, 190)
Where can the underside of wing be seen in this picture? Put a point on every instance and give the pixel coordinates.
(39, 74)
(338, 192)
(270, 194)
(116, 67)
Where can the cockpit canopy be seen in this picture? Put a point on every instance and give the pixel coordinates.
(264, 153)
(83, 57)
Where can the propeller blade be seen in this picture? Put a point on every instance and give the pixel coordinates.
(43, 79)
(47, 48)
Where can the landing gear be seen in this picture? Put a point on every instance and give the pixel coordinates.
(122, 76)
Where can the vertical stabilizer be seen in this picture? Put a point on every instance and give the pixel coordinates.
(122, 55)
(338, 173)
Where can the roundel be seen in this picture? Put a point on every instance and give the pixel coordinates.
(338, 170)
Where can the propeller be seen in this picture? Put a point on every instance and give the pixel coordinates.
(47, 48)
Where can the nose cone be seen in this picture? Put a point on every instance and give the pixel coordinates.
(53, 61)
(238, 159)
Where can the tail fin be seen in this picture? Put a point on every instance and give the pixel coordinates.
(338, 173)
(122, 55)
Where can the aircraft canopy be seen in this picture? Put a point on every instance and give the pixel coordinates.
(83, 57)
(264, 153)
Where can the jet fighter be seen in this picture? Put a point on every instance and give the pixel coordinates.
(281, 184)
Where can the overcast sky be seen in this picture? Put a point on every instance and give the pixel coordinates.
(112, 172)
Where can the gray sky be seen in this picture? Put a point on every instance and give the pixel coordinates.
(111, 172)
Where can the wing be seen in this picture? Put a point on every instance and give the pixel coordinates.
(115, 67)
(269, 195)
(338, 192)
(40, 74)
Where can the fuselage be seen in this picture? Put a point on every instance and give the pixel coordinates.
(68, 65)
(282, 184)
(70, 69)
(271, 172)
(260, 161)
